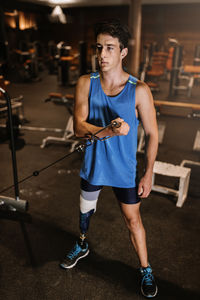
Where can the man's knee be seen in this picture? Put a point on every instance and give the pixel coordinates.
(134, 223)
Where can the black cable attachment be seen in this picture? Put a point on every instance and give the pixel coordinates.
(80, 148)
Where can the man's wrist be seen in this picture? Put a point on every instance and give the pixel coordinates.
(148, 171)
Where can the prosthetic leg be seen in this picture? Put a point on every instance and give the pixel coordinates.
(88, 203)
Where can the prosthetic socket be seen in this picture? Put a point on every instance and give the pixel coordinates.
(87, 208)
(85, 220)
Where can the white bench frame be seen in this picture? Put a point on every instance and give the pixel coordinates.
(171, 170)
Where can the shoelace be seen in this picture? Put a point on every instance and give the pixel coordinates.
(148, 278)
(74, 252)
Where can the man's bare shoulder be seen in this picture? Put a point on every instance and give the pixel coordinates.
(84, 79)
(142, 87)
(143, 92)
(83, 85)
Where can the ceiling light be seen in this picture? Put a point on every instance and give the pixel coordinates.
(57, 11)
(58, 15)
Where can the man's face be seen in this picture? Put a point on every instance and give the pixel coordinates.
(108, 52)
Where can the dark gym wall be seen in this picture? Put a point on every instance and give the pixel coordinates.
(180, 21)
(80, 26)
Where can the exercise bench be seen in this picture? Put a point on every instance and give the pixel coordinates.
(68, 135)
(177, 108)
(192, 72)
(166, 169)
(196, 147)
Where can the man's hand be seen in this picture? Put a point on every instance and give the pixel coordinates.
(122, 129)
(144, 187)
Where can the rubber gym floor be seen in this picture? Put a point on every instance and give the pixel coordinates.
(29, 263)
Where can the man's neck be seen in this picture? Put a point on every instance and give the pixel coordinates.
(113, 77)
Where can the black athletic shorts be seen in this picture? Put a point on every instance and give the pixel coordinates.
(125, 195)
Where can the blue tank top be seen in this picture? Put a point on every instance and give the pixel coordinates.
(112, 162)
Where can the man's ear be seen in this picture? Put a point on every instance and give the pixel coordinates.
(124, 52)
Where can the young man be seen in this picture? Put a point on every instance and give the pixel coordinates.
(114, 97)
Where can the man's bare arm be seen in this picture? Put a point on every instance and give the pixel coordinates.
(81, 110)
(146, 111)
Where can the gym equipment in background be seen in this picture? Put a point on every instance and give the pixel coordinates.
(68, 133)
(67, 63)
(197, 55)
(68, 136)
(14, 203)
(175, 72)
(180, 72)
(11, 208)
(16, 103)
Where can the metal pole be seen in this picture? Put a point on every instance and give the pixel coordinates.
(135, 20)
(12, 143)
(176, 65)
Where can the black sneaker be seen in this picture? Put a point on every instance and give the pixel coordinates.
(74, 255)
(148, 285)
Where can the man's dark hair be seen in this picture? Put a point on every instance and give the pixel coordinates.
(115, 29)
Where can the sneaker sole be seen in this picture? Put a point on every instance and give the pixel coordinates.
(150, 296)
(71, 266)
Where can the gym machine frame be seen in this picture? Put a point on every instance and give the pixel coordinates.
(15, 204)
